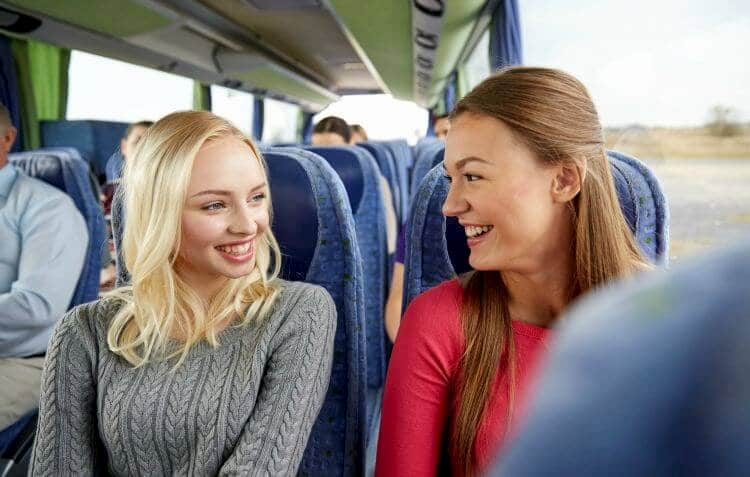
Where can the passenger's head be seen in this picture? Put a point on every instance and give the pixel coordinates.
(7, 135)
(197, 240)
(132, 137)
(441, 125)
(526, 154)
(331, 131)
(358, 134)
(532, 185)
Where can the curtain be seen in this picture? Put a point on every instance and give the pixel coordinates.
(505, 35)
(258, 110)
(306, 127)
(201, 96)
(9, 95)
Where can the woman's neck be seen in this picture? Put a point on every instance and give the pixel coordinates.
(540, 297)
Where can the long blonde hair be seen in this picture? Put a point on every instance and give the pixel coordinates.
(158, 303)
(554, 115)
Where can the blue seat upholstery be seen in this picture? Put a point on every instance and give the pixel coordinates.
(404, 162)
(429, 155)
(113, 168)
(94, 139)
(647, 378)
(384, 160)
(314, 225)
(436, 248)
(70, 174)
(360, 176)
(309, 197)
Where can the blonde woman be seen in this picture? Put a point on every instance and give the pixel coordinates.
(207, 364)
(532, 187)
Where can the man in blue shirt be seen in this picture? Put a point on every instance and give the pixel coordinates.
(43, 240)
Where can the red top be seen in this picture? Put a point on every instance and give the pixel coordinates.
(420, 393)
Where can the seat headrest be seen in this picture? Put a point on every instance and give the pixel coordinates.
(46, 167)
(345, 162)
(295, 213)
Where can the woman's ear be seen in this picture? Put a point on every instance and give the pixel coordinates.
(567, 182)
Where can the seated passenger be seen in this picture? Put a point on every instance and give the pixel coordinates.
(394, 304)
(43, 243)
(532, 187)
(441, 125)
(331, 131)
(647, 378)
(358, 134)
(208, 364)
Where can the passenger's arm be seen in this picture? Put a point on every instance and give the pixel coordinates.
(294, 386)
(53, 249)
(394, 304)
(67, 437)
(417, 391)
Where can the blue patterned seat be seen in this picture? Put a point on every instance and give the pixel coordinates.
(94, 139)
(384, 160)
(309, 197)
(436, 248)
(403, 160)
(360, 175)
(429, 154)
(113, 168)
(69, 173)
(647, 378)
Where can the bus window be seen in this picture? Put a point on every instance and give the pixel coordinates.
(477, 66)
(382, 116)
(280, 122)
(236, 106)
(111, 90)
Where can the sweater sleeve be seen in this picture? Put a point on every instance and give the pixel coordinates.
(67, 439)
(292, 391)
(416, 401)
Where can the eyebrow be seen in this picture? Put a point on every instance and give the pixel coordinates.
(462, 162)
(225, 192)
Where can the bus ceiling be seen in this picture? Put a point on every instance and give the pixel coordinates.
(303, 51)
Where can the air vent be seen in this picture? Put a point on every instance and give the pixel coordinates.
(17, 22)
(278, 5)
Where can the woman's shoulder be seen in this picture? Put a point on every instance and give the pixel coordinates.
(300, 298)
(87, 323)
(434, 314)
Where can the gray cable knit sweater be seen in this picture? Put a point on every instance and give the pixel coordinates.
(243, 408)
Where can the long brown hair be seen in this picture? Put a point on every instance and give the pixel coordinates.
(553, 114)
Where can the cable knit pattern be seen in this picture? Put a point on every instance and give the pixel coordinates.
(245, 407)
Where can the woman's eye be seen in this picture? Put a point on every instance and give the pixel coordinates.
(213, 206)
(471, 177)
(258, 197)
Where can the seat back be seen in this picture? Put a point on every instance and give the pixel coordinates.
(429, 155)
(94, 139)
(436, 247)
(70, 175)
(386, 165)
(314, 225)
(360, 176)
(404, 162)
(113, 168)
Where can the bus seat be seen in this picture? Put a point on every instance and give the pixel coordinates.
(436, 248)
(429, 155)
(404, 162)
(387, 167)
(70, 175)
(94, 139)
(309, 197)
(113, 168)
(360, 176)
